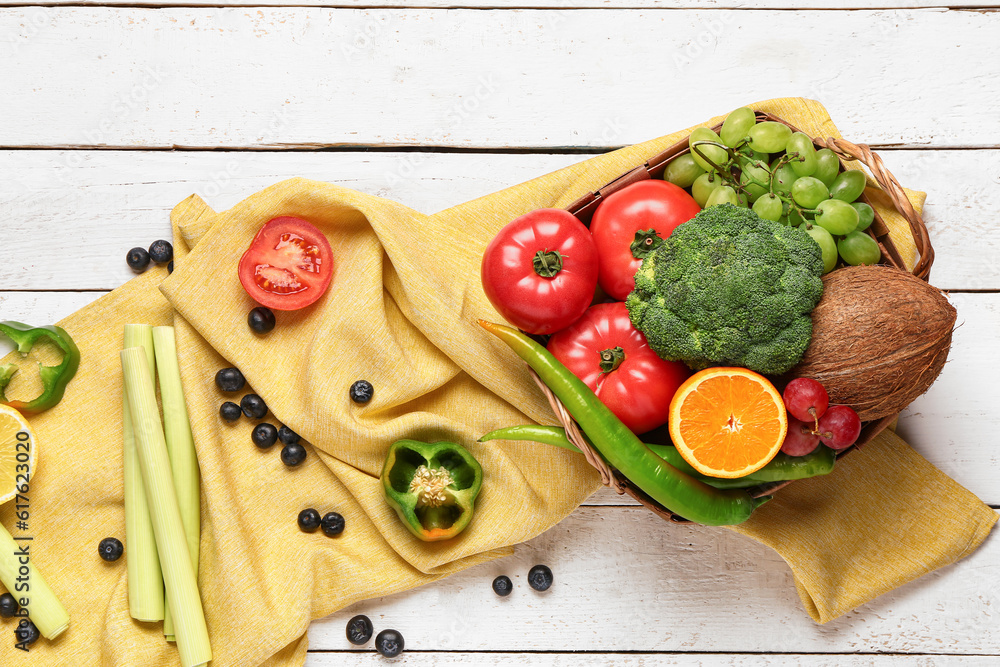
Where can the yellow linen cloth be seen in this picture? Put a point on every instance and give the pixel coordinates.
(401, 312)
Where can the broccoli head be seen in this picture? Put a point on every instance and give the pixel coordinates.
(728, 287)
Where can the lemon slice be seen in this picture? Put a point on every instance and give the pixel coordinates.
(17, 452)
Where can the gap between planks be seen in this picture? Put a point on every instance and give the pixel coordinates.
(552, 5)
(421, 148)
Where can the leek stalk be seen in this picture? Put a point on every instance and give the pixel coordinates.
(44, 609)
(168, 528)
(180, 449)
(145, 581)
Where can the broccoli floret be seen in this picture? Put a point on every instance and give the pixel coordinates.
(728, 287)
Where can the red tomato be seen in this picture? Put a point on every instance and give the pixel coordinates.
(288, 265)
(540, 272)
(632, 381)
(619, 220)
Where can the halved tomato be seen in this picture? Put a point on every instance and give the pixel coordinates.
(288, 265)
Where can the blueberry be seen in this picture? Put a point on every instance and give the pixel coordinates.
(540, 577)
(309, 521)
(8, 606)
(26, 632)
(110, 549)
(137, 259)
(287, 436)
(389, 643)
(170, 266)
(333, 523)
(253, 406)
(161, 251)
(503, 586)
(293, 454)
(230, 380)
(359, 630)
(261, 319)
(230, 411)
(264, 435)
(362, 391)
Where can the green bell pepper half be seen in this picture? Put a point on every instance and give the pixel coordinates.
(54, 378)
(432, 487)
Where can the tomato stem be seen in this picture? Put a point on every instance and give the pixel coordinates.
(547, 263)
(611, 359)
(644, 243)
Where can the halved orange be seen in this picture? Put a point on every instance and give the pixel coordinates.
(727, 422)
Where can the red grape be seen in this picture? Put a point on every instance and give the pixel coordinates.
(839, 427)
(806, 399)
(800, 439)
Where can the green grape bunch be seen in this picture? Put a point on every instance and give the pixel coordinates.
(781, 176)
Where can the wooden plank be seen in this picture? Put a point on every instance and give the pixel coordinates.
(119, 199)
(231, 77)
(123, 199)
(953, 425)
(43, 307)
(364, 659)
(541, 4)
(627, 581)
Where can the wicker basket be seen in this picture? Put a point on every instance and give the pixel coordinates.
(584, 208)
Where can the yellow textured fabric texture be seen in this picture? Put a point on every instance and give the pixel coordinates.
(401, 312)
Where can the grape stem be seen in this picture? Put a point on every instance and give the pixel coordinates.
(729, 151)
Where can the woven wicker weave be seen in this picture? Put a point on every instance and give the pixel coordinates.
(584, 208)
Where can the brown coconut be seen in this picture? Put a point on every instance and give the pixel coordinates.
(880, 339)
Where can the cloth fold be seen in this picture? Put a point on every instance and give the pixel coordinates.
(401, 312)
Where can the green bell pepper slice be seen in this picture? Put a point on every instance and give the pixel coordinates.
(54, 378)
(432, 487)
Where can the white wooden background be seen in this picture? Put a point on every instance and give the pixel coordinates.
(112, 111)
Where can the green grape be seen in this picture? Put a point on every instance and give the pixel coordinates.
(866, 215)
(736, 126)
(682, 170)
(826, 244)
(836, 217)
(827, 166)
(759, 172)
(848, 186)
(769, 208)
(704, 185)
(808, 192)
(769, 136)
(741, 200)
(716, 154)
(722, 195)
(805, 163)
(859, 248)
(784, 178)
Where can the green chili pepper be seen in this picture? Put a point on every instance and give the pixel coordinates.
(782, 467)
(432, 487)
(677, 491)
(54, 378)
